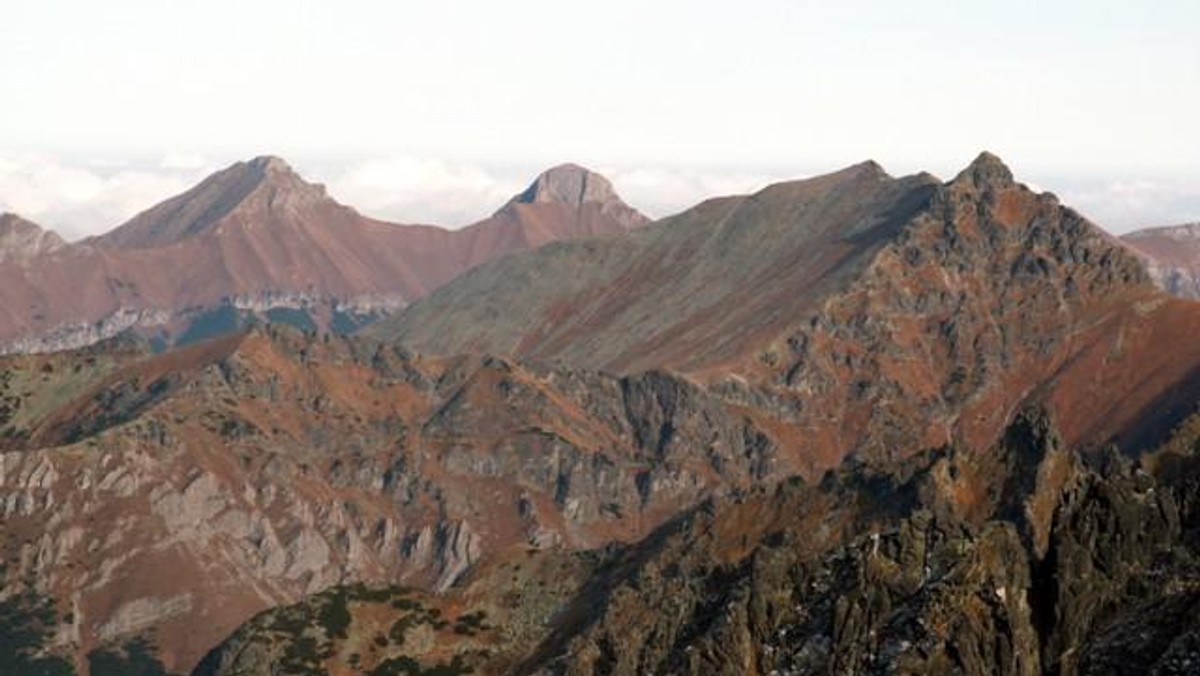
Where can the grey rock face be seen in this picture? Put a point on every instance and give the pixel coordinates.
(569, 184)
(575, 186)
(21, 239)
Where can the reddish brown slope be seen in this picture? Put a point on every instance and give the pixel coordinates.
(691, 290)
(259, 233)
(258, 227)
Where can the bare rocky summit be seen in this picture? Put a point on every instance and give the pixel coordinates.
(577, 187)
(260, 186)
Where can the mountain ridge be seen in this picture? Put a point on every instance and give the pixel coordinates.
(194, 211)
(841, 285)
(254, 238)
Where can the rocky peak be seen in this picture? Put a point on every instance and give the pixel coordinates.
(568, 184)
(576, 186)
(987, 171)
(267, 173)
(868, 168)
(271, 164)
(265, 184)
(20, 238)
(276, 173)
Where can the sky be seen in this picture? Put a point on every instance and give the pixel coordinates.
(438, 112)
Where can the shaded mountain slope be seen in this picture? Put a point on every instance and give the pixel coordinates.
(256, 237)
(671, 295)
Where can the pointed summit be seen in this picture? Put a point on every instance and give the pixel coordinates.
(869, 168)
(266, 183)
(987, 170)
(568, 184)
(270, 164)
(22, 239)
(576, 187)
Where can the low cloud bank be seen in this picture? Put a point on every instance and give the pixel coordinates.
(79, 198)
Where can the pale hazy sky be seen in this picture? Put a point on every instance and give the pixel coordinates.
(438, 111)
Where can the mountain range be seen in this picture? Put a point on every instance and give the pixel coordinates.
(258, 240)
(851, 424)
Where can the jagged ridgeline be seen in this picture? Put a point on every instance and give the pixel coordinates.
(853, 424)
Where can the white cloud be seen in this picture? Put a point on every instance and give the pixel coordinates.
(408, 189)
(661, 191)
(85, 198)
(417, 190)
(1129, 204)
(183, 161)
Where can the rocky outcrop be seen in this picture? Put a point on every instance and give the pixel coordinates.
(73, 336)
(22, 240)
(449, 551)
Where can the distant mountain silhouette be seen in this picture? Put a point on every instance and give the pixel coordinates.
(1172, 255)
